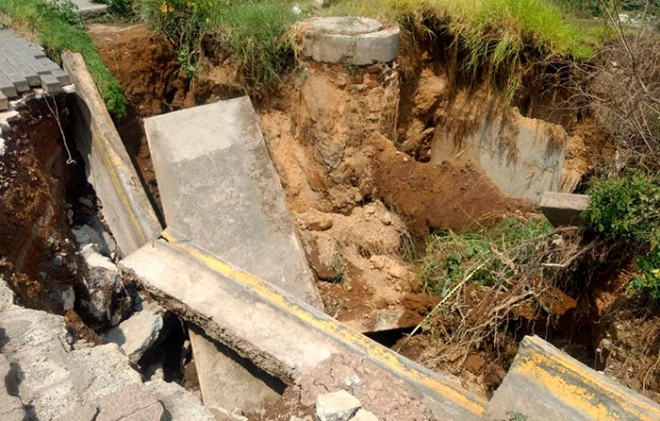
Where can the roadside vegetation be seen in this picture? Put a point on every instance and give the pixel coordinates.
(58, 29)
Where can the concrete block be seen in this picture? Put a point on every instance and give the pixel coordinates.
(228, 381)
(563, 209)
(230, 305)
(20, 83)
(137, 334)
(220, 190)
(546, 384)
(130, 403)
(336, 406)
(353, 40)
(50, 84)
(126, 208)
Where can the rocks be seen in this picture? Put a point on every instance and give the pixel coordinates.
(95, 233)
(337, 406)
(138, 333)
(363, 415)
(104, 297)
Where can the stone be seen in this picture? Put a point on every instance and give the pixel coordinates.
(137, 334)
(546, 384)
(180, 403)
(353, 40)
(95, 233)
(563, 209)
(107, 301)
(363, 415)
(336, 406)
(130, 403)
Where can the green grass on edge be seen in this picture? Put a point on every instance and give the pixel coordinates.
(57, 32)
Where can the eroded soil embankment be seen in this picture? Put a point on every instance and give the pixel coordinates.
(361, 195)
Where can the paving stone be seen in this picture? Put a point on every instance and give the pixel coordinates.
(48, 64)
(6, 87)
(127, 402)
(50, 84)
(62, 76)
(20, 83)
(336, 406)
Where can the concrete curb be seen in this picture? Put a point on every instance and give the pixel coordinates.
(279, 333)
(546, 384)
(126, 208)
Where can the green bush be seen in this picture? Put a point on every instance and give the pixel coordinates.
(60, 29)
(627, 209)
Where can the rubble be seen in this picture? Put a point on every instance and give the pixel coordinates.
(336, 406)
(137, 334)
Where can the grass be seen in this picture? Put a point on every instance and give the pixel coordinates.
(59, 29)
(492, 34)
(449, 256)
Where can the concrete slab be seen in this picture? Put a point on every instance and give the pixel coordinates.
(282, 335)
(126, 208)
(348, 39)
(250, 387)
(563, 209)
(220, 190)
(89, 9)
(544, 383)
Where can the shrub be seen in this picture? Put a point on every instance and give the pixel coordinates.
(627, 209)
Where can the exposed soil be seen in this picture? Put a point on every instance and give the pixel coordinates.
(36, 246)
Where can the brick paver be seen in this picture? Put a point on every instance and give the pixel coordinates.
(24, 66)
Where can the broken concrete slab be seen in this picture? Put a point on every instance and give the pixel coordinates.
(546, 384)
(137, 334)
(336, 406)
(218, 184)
(251, 388)
(363, 415)
(349, 39)
(6, 295)
(296, 337)
(220, 190)
(126, 208)
(563, 209)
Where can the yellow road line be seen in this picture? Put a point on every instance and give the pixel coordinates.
(329, 326)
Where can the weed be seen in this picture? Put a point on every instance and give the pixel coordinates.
(450, 256)
(59, 29)
(517, 416)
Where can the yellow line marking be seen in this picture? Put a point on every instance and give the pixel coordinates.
(330, 326)
(576, 396)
